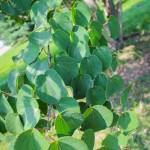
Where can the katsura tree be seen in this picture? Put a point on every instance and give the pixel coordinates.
(61, 101)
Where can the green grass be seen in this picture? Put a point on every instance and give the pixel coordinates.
(136, 16)
(6, 62)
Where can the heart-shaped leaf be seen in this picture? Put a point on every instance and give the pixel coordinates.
(80, 86)
(91, 65)
(67, 68)
(68, 143)
(50, 87)
(96, 96)
(31, 140)
(28, 107)
(81, 14)
(99, 114)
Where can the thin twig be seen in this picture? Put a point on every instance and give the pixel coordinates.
(49, 57)
(50, 107)
(48, 120)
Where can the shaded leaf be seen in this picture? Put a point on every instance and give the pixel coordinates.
(62, 44)
(2, 127)
(104, 55)
(101, 80)
(5, 108)
(124, 96)
(114, 85)
(80, 86)
(96, 96)
(89, 138)
(114, 27)
(99, 114)
(91, 65)
(67, 68)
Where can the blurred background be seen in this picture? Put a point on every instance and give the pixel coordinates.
(133, 56)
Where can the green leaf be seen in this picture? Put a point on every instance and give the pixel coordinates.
(80, 86)
(68, 143)
(41, 38)
(12, 100)
(114, 27)
(39, 13)
(101, 80)
(20, 4)
(115, 119)
(50, 87)
(114, 62)
(62, 22)
(67, 122)
(124, 96)
(68, 103)
(97, 118)
(128, 121)
(95, 33)
(62, 44)
(28, 107)
(83, 107)
(9, 142)
(67, 68)
(78, 51)
(43, 107)
(108, 105)
(52, 4)
(13, 80)
(100, 16)
(81, 14)
(31, 140)
(31, 53)
(104, 55)
(91, 65)
(96, 96)
(2, 126)
(5, 108)
(89, 138)
(122, 140)
(35, 69)
(80, 34)
(114, 85)
(16, 59)
(2, 138)
(110, 142)
(13, 123)
(10, 9)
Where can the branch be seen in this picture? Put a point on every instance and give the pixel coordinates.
(50, 107)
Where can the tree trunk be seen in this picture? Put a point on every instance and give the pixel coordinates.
(119, 14)
(110, 9)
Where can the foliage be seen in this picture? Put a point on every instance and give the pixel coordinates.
(40, 99)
